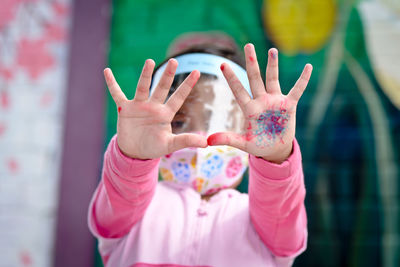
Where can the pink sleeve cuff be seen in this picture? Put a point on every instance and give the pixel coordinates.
(276, 171)
(126, 165)
(124, 193)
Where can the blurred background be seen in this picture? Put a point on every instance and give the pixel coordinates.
(56, 116)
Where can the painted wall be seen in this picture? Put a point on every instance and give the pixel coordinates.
(348, 121)
(34, 42)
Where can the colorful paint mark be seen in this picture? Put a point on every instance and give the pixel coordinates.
(270, 125)
(119, 109)
(273, 54)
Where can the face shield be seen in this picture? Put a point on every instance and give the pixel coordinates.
(211, 106)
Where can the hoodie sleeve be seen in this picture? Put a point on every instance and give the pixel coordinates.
(276, 199)
(126, 189)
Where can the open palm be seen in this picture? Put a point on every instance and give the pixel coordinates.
(270, 115)
(144, 123)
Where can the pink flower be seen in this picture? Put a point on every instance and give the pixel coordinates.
(34, 57)
(4, 99)
(46, 99)
(26, 258)
(7, 11)
(6, 73)
(13, 165)
(55, 32)
(2, 128)
(60, 9)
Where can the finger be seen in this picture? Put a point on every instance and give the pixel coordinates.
(228, 139)
(179, 96)
(253, 71)
(162, 89)
(272, 73)
(142, 89)
(113, 87)
(186, 140)
(301, 83)
(240, 93)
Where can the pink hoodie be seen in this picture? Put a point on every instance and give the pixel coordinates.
(142, 222)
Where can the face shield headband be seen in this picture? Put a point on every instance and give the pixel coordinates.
(205, 63)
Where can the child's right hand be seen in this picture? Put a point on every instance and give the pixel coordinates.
(144, 124)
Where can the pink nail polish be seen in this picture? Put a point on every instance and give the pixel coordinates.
(273, 54)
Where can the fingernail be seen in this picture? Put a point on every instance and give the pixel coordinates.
(196, 77)
(211, 140)
(197, 74)
(149, 61)
(273, 54)
(222, 67)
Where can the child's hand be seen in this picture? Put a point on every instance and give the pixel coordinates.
(270, 115)
(144, 124)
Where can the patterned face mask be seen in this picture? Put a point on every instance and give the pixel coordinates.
(206, 170)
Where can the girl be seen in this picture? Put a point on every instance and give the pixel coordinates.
(201, 137)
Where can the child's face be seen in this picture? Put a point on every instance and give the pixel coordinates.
(210, 107)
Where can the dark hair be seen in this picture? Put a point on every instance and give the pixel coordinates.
(227, 52)
(230, 53)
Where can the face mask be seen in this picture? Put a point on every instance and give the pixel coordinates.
(206, 170)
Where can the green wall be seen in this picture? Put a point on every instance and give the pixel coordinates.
(347, 126)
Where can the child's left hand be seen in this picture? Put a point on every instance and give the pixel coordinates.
(270, 115)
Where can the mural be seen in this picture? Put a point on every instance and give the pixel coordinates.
(348, 120)
(33, 69)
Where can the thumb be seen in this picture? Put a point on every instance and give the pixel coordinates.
(229, 139)
(187, 140)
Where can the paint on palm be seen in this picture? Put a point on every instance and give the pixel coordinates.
(269, 126)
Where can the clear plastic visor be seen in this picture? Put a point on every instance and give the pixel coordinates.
(210, 107)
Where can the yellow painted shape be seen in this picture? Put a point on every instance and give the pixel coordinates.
(299, 25)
